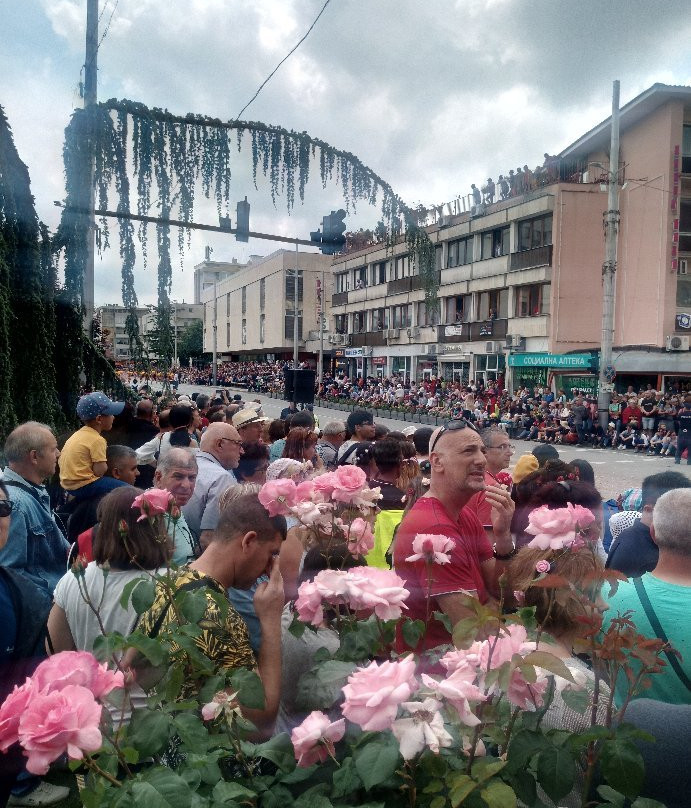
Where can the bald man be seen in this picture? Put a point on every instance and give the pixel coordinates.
(219, 453)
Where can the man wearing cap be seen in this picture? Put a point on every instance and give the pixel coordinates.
(219, 453)
(83, 460)
(249, 425)
(359, 427)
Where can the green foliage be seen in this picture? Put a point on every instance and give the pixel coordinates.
(191, 342)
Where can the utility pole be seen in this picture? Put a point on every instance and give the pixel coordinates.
(295, 322)
(90, 98)
(609, 268)
(320, 372)
(175, 334)
(214, 361)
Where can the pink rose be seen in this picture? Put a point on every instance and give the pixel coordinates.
(314, 739)
(304, 491)
(308, 604)
(359, 537)
(373, 694)
(348, 482)
(524, 694)
(557, 529)
(11, 712)
(459, 689)
(56, 722)
(378, 590)
(324, 484)
(312, 513)
(76, 668)
(278, 496)
(222, 702)
(543, 566)
(431, 548)
(153, 502)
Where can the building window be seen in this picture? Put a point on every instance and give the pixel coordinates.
(401, 316)
(244, 299)
(340, 282)
(288, 332)
(458, 309)
(262, 294)
(425, 318)
(358, 322)
(686, 150)
(495, 243)
(438, 252)
(380, 319)
(228, 335)
(493, 304)
(360, 278)
(533, 300)
(341, 323)
(262, 327)
(401, 267)
(684, 290)
(379, 272)
(290, 289)
(460, 252)
(244, 332)
(535, 233)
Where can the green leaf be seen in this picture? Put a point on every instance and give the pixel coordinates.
(646, 802)
(297, 628)
(547, 661)
(211, 686)
(484, 768)
(170, 686)
(321, 687)
(192, 731)
(228, 792)
(192, 605)
(611, 796)
(576, 700)
(249, 688)
(160, 786)
(444, 619)
(148, 731)
(376, 761)
(556, 772)
(412, 631)
(279, 750)
(622, 766)
(143, 595)
(463, 785)
(524, 744)
(464, 632)
(152, 649)
(345, 779)
(498, 795)
(276, 797)
(437, 802)
(127, 592)
(314, 797)
(106, 645)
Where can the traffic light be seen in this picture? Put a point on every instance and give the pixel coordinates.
(224, 223)
(331, 238)
(243, 221)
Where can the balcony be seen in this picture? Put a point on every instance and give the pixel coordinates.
(371, 338)
(471, 332)
(416, 281)
(339, 298)
(398, 286)
(537, 257)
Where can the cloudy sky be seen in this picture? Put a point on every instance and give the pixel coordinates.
(431, 95)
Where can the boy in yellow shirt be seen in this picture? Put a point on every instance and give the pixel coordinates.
(83, 458)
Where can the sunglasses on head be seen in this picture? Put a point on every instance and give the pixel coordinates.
(458, 423)
(6, 507)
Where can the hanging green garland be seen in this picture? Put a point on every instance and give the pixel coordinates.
(171, 154)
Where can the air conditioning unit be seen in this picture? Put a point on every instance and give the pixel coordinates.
(683, 267)
(367, 351)
(346, 339)
(493, 347)
(393, 333)
(413, 332)
(517, 341)
(675, 342)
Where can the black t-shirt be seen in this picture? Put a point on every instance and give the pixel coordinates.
(634, 552)
(392, 497)
(684, 418)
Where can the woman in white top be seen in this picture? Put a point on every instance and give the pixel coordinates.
(142, 549)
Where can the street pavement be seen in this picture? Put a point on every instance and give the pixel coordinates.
(615, 470)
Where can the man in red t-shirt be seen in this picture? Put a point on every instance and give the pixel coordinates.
(457, 460)
(498, 455)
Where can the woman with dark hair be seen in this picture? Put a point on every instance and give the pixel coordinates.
(522, 492)
(180, 422)
(388, 458)
(253, 463)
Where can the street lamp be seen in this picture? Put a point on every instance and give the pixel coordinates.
(175, 333)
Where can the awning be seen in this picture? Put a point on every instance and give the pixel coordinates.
(675, 362)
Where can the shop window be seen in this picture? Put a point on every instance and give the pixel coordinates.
(535, 233)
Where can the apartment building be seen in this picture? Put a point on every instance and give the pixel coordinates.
(113, 318)
(254, 308)
(182, 315)
(520, 292)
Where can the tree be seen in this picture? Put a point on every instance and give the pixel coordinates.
(191, 342)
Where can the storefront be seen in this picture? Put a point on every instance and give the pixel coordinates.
(357, 364)
(340, 364)
(401, 366)
(426, 368)
(575, 374)
(379, 366)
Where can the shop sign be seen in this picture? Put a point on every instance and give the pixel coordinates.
(552, 361)
(351, 353)
(577, 385)
(530, 377)
(453, 331)
(338, 353)
(378, 360)
(683, 321)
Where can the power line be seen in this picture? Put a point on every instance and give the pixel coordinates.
(290, 53)
(100, 41)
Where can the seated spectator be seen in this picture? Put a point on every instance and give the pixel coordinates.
(301, 420)
(300, 445)
(327, 448)
(253, 463)
(659, 599)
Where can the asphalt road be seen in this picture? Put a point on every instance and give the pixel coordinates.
(615, 470)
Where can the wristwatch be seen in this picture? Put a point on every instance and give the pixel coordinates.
(504, 556)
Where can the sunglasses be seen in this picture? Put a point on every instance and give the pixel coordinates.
(458, 423)
(6, 507)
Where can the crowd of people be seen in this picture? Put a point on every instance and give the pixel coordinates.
(213, 451)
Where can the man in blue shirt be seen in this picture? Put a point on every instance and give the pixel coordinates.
(35, 545)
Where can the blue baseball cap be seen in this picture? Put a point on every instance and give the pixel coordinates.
(94, 404)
